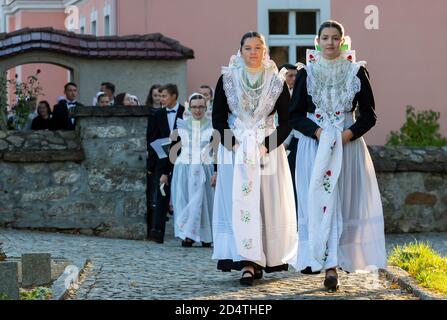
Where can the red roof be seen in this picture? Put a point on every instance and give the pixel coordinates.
(153, 46)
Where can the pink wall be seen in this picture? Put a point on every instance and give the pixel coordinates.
(406, 57)
(52, 77)
(133, 15)
(211, 28)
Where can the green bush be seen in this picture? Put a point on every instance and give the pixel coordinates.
(26, 94)
(421, 129)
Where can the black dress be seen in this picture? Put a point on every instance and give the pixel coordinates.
(40, 123)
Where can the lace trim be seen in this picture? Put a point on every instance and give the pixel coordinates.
(185, 132)
(339, 94)
(266, 103)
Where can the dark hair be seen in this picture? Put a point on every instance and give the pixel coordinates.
(70, 84)
(149, 100)
(332, 24)
(119, 99)
(45, 102)
(252, 34)
(205, 86)
(288, 66)
(171, 88)
(197, 96)
(109, 86)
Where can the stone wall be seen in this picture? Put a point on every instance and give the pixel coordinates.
(2, 253)
(92, 180)
(413, 185)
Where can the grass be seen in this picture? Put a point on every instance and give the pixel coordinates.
(423, 263)
(39, 293)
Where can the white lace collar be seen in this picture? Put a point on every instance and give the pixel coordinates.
(332, 84)
(245, 103)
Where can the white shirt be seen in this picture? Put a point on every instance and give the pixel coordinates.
(71, 104)
(171, 116)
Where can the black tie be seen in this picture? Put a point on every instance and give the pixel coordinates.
(170, 111)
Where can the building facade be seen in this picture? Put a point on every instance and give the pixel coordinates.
(400, 39)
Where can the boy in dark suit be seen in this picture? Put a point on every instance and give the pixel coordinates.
(61, 119)
(164, 122)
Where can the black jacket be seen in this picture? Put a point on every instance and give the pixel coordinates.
(221, 111)
(160, 129)
(302, 103)
(61, 119)
(40, 123)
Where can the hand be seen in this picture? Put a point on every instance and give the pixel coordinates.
(263, 150)
(318, 133)
(214, 179)
(235, 147)
(346, 136)
(164, 179)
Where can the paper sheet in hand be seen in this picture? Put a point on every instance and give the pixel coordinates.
(162, 190)
(161, 147)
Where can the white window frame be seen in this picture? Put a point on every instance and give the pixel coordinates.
(291, 40)
(107, 12)
(94, 18)
(82, 24)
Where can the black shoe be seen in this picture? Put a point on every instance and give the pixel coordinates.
(258, 274)
(187, 242)
(206, 244)
(156, 235)
(247, 281)
(308, 270)
(331, 282)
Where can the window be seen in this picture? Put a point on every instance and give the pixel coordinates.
(278, 22)
(82, 25)
(93, 28)
(290, 34)
(306, 22)
(290, 27)
(93, 24)
(107, 25)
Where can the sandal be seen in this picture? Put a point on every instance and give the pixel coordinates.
(247, 281)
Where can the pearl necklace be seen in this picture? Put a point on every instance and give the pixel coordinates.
(252, 95)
